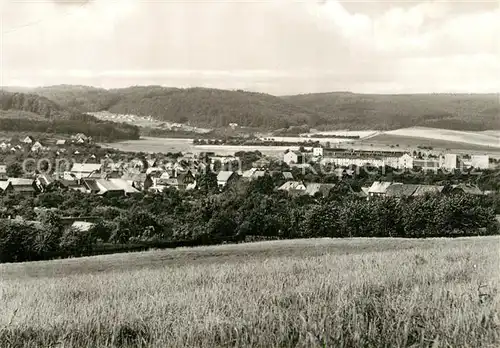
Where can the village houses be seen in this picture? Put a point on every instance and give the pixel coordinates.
(292, 157)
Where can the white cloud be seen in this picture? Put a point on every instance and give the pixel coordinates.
(276, 46)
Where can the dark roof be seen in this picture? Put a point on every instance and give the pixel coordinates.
(423, 189)
(401, 190)
(324, 189)
(467, 188)
(69, 183)
(91, 185)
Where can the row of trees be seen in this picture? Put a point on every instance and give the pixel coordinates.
(244, 210)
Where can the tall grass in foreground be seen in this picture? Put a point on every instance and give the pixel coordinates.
(442, 296)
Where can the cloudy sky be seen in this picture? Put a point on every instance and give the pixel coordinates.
(274, 46)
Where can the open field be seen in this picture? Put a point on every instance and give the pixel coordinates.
(302, 293)
(405, 139)
(409, 143)
(154, 145)
(361, 134)
(453, 136)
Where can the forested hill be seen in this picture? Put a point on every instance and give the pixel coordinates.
(30, 113)
(200, 106)
(79, 98)
(216, 108)
(31, 103)
(472, 112)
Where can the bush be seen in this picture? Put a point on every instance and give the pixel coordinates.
(76, 242)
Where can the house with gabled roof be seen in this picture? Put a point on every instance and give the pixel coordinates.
(293, 187)
(467, 189)
(23, 186)
(185, 181)
(37, 146)
(103, 187)
(74, 185)
(399, 190)
(379, 188)
(423, 190)
(405, 162)
(85, 170)
(79, 138)
(313, 189)
(225, 177)
(5, 186)
(128, 189)
(140, 181)
(293, 157)
(252, 174)
(28, 140)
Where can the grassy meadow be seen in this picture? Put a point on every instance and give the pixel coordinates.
(296, 293)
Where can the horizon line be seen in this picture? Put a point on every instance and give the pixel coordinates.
(32, 87)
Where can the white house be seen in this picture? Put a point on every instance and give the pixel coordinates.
(480, 161)
(224, 177)
(449, 161)
(359, 162)
(317, 151)
(293, 186)
(28, 140)
(405, 162)
(36, 147)
(292, 157)
(379, 188)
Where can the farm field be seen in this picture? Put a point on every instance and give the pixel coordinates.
(361, 134)
(305, 293)
(154, 145)
(406, 139)
(405, 143)
(470, 138)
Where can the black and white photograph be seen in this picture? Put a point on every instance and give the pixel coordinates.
(249, 173)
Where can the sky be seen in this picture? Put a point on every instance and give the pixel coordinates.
(273, 46)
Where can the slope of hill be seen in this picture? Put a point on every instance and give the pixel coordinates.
(212, 107)
(31, 103)
(79, 98)
(450, 111)
(21, 112)
(436, 138)
(217, 108)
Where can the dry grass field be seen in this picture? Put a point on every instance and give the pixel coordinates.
(452, 136)
(307, 293)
